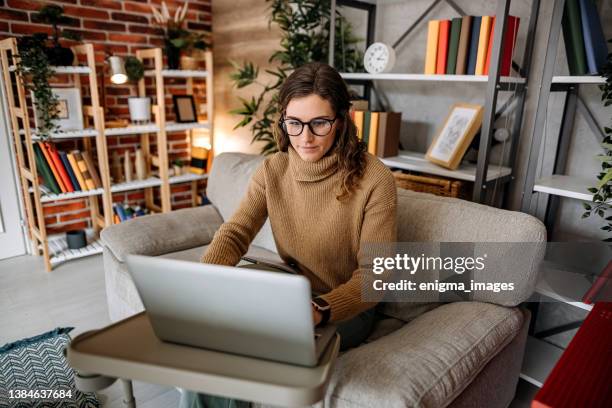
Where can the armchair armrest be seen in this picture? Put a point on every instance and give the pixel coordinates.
(159, 234)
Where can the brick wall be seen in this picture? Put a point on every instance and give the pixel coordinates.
(118, 28)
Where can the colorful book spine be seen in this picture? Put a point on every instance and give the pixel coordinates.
(389, 124)
(366, 126)
(45, 170)
(483, 44)
(512, 27)
(77, 172)
(120, 212)
(359, 124)
(572, 36)
(373, 134)
(489, 48)
(60, 167)
(84, 171)
(473, 49)
(453, 45)
(442, 47)
(595, 47)
(75, 183)
(46, 152)
(464, 45)
(91, 167)
(433, 31)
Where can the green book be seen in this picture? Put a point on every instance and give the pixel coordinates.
(43, 168)
(572, 36)
(453, 45)
(367, 117)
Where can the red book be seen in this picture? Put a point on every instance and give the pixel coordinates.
(581, 377)
(442, 47)
(44, 147)
(60, 168)
(512, 25)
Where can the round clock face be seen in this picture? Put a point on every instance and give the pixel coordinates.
(379, 57)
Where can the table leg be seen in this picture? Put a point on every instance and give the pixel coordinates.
(128, 394)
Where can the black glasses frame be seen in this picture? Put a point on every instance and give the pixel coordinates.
(309, 123)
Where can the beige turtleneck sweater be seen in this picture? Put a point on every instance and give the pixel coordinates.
(311, 228)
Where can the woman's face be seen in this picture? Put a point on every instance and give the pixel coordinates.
(309, 146)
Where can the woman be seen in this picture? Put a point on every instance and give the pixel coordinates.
(325, 197)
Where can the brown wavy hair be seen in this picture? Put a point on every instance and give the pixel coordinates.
(323, 80)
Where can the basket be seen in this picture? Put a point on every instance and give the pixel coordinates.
(433, 185)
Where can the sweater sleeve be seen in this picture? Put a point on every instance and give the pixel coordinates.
(232, 239)
(379, 226)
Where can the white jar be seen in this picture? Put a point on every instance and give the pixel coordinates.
(140, 109)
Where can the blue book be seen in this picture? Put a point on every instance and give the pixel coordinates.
(120, 213)
(595, 46)
(75, 183)
(473, 48)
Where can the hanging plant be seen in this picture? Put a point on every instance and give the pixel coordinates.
(602, 193)
(305, 27)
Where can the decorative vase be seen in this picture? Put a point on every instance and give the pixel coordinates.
(76, 239)
(173, 54)
(127, 165)
(189, 63)
(140, 109)
(141, 171)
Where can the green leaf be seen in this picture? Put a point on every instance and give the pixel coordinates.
(586, 206)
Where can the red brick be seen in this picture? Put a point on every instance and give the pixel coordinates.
(74, 216)
(176, 136)
(179, 206)
(64, 207)
(103, 4)
(205, 17)
(146, 30)
(24, 4)
(134, 18)
(10, 15)
(4, 26)
(177, 188)
(135, 196)
(101, 25)
(128, 38)
(137, 7)
(86, 12)
(198, 26)
(72, 22)
(51, 220)
(67, 227)
(179, 146)
(89, 35)
(118, 198)
(114, 48)
(129, 139)
(29, 29)
(158, 42)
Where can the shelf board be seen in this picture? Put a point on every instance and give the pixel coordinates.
(414, 161)
(68, 196)
(180, 73)
(563, 285)
(582, 79)
(187, 177)
(135, 184)
(424, 77)
(540, 358)
(59, 252)
(565, 186)
(128, 130)
(68, 69)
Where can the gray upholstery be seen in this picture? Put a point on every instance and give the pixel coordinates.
(421, 354)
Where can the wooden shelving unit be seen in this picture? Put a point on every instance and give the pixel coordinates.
(53, 248)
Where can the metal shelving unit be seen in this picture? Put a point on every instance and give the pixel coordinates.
(479, 174)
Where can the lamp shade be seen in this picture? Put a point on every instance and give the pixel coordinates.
(117, 69)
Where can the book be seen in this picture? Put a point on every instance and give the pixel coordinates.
(595, 47)
(433, 31)
(442, 47)
(47, 154)
(373, 134)
(389, 124)
(198, 161)
(453, 45)
(75, 183)
(509, 41)
(120, 212)
(366, 126)
(485, 71)
(359, 124)
(572, 36)
(91, 167)
(270, 264)
(473, 48)
(483, 44)
(60, 168)
(84, 171)
(45, 171)
(77, 172)
(464, 45)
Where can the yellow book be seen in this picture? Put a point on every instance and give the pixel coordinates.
(373, 136)
(77, 171)
(359, 123)
(483, 44)
(433, 30)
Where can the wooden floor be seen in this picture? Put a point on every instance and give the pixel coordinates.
(33, 301)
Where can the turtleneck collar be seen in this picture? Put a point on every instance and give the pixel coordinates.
(312, 171)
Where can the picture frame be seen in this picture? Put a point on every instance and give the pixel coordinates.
(454, 137)
(70, 109)
(184, 108)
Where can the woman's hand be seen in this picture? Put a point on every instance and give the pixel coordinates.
(316, 316)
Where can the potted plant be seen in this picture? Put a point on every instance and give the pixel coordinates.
(140, 107)
(56, 53)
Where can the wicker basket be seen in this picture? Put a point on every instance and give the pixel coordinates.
(433, 185)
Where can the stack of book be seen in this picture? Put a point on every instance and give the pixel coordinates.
(463, 45)
(124, 212)
(585, 44)
(64, 172)
(379, 131)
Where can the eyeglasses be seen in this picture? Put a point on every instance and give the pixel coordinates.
(318, 126)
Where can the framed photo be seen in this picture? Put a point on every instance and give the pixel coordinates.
(69, 109)
(184, 108)
(455, 136)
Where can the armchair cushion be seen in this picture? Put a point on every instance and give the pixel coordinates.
(162, 233)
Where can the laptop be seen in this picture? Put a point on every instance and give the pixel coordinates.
(254, 313)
